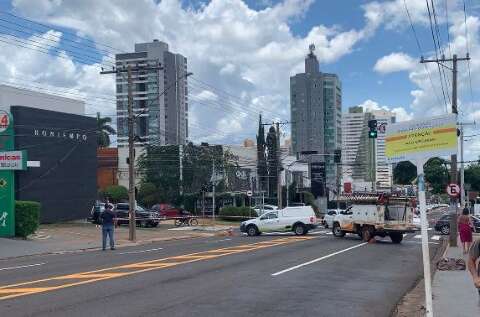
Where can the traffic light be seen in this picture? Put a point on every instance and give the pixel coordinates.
(337, 156)
(372, 125)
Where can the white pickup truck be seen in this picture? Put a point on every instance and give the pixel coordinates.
(376, 216)
(297, 219)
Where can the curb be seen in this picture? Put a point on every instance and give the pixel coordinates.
(82, 250)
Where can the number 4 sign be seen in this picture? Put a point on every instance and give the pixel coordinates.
(4, 121)
(453, 190)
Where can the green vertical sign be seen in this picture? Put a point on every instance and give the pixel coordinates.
(7, 188)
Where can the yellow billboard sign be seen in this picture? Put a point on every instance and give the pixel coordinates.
(417, 139)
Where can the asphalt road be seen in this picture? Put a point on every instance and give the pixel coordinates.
(274, 275)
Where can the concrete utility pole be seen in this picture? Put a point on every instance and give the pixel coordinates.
(279, 168)
(214, 179)
(180, 153)
(453, 166)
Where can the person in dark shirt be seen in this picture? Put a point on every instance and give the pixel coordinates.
(108, 225)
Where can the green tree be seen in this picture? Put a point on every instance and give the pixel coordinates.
(115, 193)
(436, 174)
(404, 173)
(148, 195)
(472, 176)
(104, 131)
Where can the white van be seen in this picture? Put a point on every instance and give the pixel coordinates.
(299, 219)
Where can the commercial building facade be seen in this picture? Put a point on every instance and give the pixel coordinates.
(316, 114)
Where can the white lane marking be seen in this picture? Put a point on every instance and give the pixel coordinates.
(418, 236)
(140, 251)
(319, 259)
(430, 229)
(435, 238)
(218, 241)
(329, 233)
(404, 235)
(21, 266)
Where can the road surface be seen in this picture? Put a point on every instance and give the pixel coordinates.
(269, 275)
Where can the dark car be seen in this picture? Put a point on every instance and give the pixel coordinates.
(443, 224)
(144, 217)
(96, 211)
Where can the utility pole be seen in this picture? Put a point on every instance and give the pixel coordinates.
(453, 165)
(180, 153)
(214, 179)
(279, 168)
(131, 141)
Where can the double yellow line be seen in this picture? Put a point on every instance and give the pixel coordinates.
(69, 280)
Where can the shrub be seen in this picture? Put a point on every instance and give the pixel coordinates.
(236, 213)
(310, 201)
(27, 217)
(115, 193)
(148, 194)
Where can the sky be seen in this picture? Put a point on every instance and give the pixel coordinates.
(243, 52)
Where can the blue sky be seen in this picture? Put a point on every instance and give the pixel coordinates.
(250, 49)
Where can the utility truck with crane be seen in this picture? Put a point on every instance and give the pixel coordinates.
(375, 214)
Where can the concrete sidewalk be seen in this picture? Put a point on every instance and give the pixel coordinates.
(78, 237)
(453, 292)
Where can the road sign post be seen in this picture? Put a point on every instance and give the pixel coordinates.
(417, 141)
(7, 188)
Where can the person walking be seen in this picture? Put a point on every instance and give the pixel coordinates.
(108, 225)
(465, 230)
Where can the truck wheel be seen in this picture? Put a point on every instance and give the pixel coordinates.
(337, 231)
(252, 231)
(367, 233)
(396, 237)
(299, 229)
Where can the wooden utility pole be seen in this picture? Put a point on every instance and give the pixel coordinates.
(453, 164)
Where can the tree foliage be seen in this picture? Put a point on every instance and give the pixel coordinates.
(404, 173)
(436, 174)
(104, 131)
(160, 170)
(115, 193)
(472, 176)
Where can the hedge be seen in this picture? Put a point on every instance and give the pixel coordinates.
(236, 213)
(27, 217)
(115, 193)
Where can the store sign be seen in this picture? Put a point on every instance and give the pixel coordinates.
(13, 160)
(7, 188)
(417, 139)
(60, 134)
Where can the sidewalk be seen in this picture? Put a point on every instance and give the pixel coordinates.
(82, 236)
(453, 292)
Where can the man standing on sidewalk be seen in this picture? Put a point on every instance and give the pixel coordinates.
(473, 263)
(108, 225)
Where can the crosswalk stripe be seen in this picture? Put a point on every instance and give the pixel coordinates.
(418, 236)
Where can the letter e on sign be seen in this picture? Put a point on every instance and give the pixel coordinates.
(4, 121)
(453, 190)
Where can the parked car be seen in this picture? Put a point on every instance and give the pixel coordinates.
(167, 211)
(266, 208)
(443, 224)
(330, 215)
(96, 211)
(297, 219)
(144, 218)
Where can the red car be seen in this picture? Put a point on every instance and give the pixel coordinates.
(168, 211)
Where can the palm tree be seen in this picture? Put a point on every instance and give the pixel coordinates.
(104, 130)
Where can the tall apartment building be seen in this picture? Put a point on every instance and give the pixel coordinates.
(316, 114)
(364, 159)
(160, 100)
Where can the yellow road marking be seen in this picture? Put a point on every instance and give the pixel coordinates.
(15, 290)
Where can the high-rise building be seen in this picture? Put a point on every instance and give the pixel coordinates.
(160, 100)
(363, 159)
(316, 114)
(160, 97)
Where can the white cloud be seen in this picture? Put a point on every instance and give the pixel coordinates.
(240, 50)
(401, 113)
(394, 62)
(206, 95)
